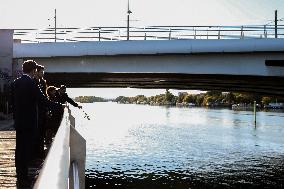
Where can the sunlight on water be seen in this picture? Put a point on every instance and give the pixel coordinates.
(136, 145)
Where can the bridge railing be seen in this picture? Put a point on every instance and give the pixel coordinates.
(148, 33)
(64, 166)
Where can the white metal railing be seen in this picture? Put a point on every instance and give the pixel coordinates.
(64, 166)
(149, 33)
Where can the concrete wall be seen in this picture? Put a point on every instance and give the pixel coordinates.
(6, 56)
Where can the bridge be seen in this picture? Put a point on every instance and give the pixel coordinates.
(249, 65)
(248, 58)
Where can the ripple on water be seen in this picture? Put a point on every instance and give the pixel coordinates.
(157, 147)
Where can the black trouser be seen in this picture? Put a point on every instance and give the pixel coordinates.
(39, 153)
(25, 145)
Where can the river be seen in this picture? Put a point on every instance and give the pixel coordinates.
(142, 146)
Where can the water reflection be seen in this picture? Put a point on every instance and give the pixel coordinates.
(138, 146)
(264, 173)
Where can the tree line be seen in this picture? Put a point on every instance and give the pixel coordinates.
(210, 98)
(89, 99)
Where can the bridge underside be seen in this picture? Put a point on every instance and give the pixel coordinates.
(256, 84)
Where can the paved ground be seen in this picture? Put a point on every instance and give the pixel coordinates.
(7, 155)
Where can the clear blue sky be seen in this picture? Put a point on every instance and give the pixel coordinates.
(87, 13)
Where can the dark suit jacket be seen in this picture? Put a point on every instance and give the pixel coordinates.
(26, 96)
(42, 107)
(42, 85)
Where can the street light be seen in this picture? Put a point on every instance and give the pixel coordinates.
(128, 15)
(55, 27)
(275, 14)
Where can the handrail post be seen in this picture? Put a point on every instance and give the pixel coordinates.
(275, 26)
(242, 32)
(207, 33)
(265, 32)
(99, 34)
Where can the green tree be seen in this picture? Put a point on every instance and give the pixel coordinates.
(199, 99)
(189, 99)
(213, 93)
(229, 98)
(266, 100)
(181, 97)
(118, 99)
(244, 98)
(169, 97)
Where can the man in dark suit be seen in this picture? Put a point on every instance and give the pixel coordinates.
(26, 95)
(42, 113)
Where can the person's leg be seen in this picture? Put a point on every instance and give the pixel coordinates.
(21, 160)
(41, 154)
(39, 144)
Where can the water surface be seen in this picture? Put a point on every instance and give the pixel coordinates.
(141, 146)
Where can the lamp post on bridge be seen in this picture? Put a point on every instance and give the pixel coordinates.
(128, 15)
(276, 35)
(54, 25)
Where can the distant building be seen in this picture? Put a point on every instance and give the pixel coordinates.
(274, 106)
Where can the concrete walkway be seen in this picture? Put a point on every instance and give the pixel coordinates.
(7, 155)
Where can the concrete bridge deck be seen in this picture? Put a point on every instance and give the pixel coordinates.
(252, 65)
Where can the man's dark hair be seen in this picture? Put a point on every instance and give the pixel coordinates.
(49, 89)
(40, 67)
(29, 65)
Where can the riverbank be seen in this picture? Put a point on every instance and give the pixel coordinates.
(248, 107)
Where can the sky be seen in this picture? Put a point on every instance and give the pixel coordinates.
(87, 13)
(94, 13)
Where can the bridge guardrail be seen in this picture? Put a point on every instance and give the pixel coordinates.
(69, 34)
(65, 163)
